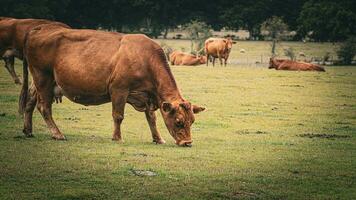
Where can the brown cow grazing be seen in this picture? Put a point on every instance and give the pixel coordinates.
(96, 67)
(218, 48)
(181, 58)
(12, 34)
(283, 64)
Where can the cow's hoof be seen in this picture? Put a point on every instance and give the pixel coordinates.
(30, 135)
(18, 82)
(27, 133)
(118, 140)
(161, 141)
(58, 137)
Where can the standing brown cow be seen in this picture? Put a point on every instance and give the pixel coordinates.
(218, 48)
(283, 64)
(95, 67)
(12, 34)
(181, 58)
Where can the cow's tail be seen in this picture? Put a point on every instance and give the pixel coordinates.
(24, 90)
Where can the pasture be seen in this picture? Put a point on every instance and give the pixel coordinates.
(257, 51)
(266, 134)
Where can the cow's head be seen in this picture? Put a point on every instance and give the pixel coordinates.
(228, 43)
(271, 63)
(202, 59)
(179, 117)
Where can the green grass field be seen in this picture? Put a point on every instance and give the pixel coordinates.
(266, 134)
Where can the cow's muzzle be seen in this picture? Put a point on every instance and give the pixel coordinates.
(185, 143)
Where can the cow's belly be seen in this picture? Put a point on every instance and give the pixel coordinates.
(84, 94)
(83, 84)
(88, 99)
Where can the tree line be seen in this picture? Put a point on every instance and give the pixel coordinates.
(320, 20)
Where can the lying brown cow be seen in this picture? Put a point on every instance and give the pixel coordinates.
(284, 64)
(181, 58)
(96, 67)
(12, 34)
(218, 48)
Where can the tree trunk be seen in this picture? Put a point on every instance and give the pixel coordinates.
(273, 47)
(165, 33)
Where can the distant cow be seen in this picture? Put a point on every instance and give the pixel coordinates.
(12, 34)
(283, 64)
(181, 58)
(218, 48)
(95, 67)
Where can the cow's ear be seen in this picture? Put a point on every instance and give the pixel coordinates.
(197, 109)
(167, 107)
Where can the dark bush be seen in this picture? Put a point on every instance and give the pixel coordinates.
(347, 51)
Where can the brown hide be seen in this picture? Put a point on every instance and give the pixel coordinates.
(12, 35)
(181, 58)
(218, 48)
(284, 64)
(96, 67)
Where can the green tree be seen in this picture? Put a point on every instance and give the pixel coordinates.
(26, 9)
(198, 32)
(247, 15)
(275, 29)
(328, 20)
(347, 51)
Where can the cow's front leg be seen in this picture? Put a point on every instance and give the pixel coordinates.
(207, 59)
(118, 99)
(151, 119)
(225, 60)
(220, 59)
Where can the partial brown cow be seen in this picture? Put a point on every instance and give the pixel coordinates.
(181, 58)
(284, 64)
(218, 48)
(96, 67)
(12, 34)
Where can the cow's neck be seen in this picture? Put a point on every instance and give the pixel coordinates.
(167, 90)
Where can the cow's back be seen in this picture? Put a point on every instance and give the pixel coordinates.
(189, 59)
(214, 46)
(13, 31)
(74, 56)
(22, 26)
(298, 66)
(6, 33)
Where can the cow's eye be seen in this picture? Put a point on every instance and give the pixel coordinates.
(179, 124)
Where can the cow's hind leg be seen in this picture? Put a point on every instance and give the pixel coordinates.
(9, 59)
(45, 85)
(151, 119)
(30, 106)
(118, 98)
